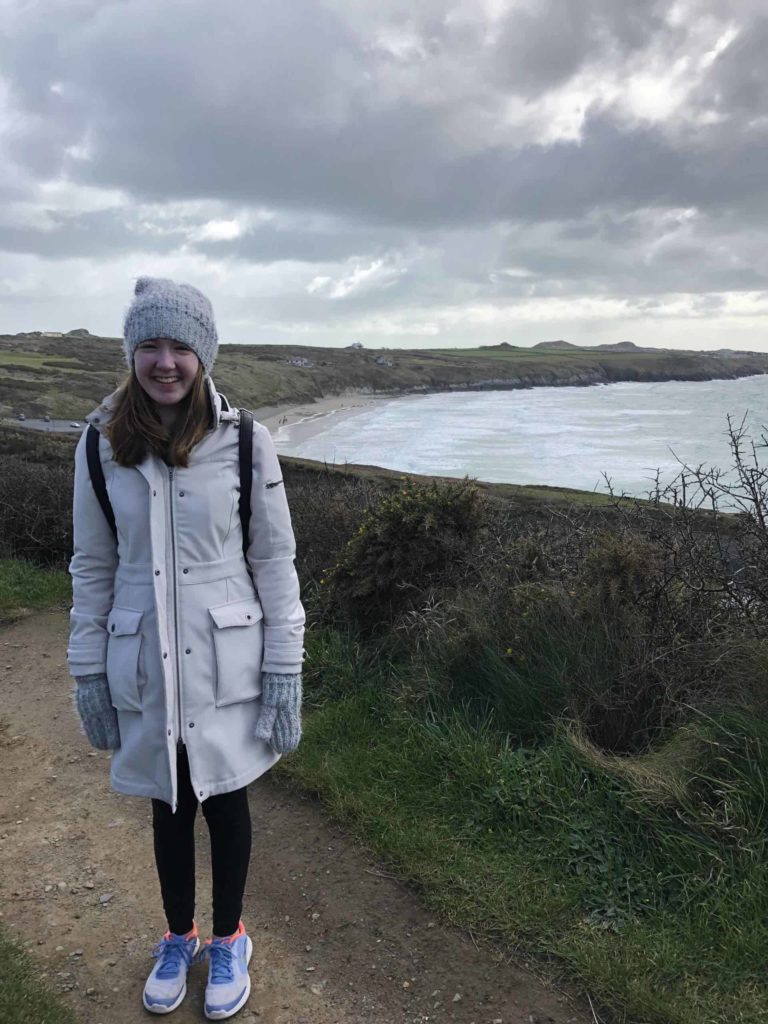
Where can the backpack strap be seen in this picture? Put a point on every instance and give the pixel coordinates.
(96, 473)
(245, 459)
(245, 451)
(245, 454)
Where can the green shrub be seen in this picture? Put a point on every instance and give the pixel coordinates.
(326, 510)
(36, 511)
(416, 539)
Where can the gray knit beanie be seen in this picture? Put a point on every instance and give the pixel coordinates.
(165, 309)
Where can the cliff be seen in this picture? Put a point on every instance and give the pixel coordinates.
(64, 376)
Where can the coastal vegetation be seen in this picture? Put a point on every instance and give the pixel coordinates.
(546, 709)
(548, 715)
(65, 377)
(554, 724)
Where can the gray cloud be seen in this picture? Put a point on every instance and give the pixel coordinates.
(89, 235)
(738, 84)
(418, 139)
(316, 123)
(543, 43)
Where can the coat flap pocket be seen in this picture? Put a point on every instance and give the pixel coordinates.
(123, 621)
(239, 613)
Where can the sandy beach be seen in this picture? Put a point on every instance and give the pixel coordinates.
(300, 422)
(303, 421)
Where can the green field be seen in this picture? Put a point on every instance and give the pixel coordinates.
(34, 361)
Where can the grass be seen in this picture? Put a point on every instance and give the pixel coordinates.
(34, 360)
(644, 878)
(533, 495)
(24, 588)
(24, 999)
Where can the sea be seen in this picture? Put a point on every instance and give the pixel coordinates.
(606, 437)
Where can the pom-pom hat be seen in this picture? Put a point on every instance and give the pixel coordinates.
(165, 309)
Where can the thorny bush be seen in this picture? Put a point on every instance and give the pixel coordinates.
(419, 538)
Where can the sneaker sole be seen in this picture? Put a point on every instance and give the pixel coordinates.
(223, 1014)
(160, 1007)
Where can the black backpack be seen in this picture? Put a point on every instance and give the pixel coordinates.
(245, 445)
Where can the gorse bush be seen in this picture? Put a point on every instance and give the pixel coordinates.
(667, 645)
(36, 511)
(416, 539)
(622, 645)
(327, 507)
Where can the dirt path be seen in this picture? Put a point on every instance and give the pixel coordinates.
(336, 941)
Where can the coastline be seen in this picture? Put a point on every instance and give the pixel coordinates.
(576, 439)
(301, 422)
(311, 417)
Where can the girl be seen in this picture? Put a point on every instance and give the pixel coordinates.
(186, 651)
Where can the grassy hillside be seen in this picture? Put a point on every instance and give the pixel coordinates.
(66, 377)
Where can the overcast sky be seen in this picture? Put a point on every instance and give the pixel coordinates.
(415, 173)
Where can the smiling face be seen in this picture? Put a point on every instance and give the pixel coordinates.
(165, 369)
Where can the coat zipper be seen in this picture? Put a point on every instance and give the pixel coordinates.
(179, 718)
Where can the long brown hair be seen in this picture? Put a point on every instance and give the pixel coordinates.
(136, 428)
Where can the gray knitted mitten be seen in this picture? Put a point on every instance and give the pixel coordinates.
(99, 718)
(279, 722)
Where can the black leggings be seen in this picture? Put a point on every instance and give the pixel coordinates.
(229, 824)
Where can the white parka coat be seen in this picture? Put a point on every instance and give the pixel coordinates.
(170, 613)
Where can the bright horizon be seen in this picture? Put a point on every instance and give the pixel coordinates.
(387, 348)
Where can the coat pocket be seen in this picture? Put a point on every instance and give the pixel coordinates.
(123, 649)
(238, 638)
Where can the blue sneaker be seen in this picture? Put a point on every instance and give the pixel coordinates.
(229, 983)
(167, 983)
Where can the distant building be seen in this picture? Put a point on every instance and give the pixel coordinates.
(356, 344)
